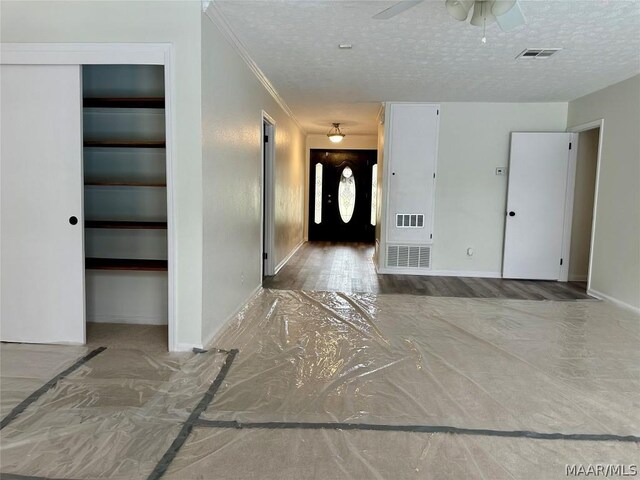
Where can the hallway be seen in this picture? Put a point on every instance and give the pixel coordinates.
(348, 267)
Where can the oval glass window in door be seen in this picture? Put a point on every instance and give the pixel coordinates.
(346, 195)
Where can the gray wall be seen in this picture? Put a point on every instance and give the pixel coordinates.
(232, 102)
(616, 249)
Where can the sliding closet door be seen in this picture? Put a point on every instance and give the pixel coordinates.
(42, 259)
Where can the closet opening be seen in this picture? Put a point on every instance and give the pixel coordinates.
(125, 202)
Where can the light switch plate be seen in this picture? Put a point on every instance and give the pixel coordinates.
(501, 170)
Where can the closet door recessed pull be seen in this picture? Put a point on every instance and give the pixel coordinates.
(73, 220)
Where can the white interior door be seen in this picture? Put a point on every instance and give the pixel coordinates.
(536, 205)
(42, 258)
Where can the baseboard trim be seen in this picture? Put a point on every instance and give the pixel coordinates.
(437, 273)
(186, 347)
(127, 319)
(284, 262)
(614, 301)
(578, 278)
(212, 337)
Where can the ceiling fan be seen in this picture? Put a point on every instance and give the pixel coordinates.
(507, 13)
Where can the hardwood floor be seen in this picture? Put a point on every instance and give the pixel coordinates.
(348, 267)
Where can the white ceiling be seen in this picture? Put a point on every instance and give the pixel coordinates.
(425, 55)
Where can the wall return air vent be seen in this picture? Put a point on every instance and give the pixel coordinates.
(409, 256)
(409, 220)
(538, 52)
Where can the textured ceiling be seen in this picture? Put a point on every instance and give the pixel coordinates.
(425, 55)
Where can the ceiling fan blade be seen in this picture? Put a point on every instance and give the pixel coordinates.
(394, 10)
(513, 19)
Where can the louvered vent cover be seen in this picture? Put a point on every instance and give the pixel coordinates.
(538, 52)
(409, 220)
(409, 256)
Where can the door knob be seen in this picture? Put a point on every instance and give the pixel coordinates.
(73, 220)
(512, 214)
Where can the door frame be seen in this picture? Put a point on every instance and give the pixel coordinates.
(571, 184)
(114, 54)
(267, 197)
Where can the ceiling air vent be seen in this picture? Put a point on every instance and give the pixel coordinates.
(538, 52)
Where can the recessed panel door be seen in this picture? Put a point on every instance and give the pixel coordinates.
(538, 171)
(42, 259)
(340, 195)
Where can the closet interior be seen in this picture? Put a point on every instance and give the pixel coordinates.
(125, 195)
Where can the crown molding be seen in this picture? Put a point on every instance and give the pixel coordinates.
(212, 11)
(380, 114)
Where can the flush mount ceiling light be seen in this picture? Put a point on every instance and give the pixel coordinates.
(335, 134)
(506, 13)
(345, 46)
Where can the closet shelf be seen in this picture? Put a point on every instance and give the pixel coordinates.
(124, 102)
(118, 224)
(126, 143)
(125, 264)
(124, 184)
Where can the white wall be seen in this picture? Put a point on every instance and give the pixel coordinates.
(583, 204)
(615, 271)
(233, 99)
(349, 142)
(470, 199)
(175, 22)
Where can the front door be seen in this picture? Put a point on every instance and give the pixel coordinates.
(340, 195)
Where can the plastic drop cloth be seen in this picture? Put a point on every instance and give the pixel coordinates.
(568, 367)
(114, 417)
(25, 368)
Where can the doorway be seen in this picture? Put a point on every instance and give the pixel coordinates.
(268, 196)
(125, 199)
(584, 194)
(340, 195)
(63, 118)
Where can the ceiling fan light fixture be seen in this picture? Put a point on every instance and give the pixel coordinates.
(482, 13)
(500, 7)
(335, 134)
(459, 9)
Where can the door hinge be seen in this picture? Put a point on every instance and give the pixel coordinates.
(266, 138)
(434, 175)
(265, 255)
(560, 261)
(569, 145)
(437, 112)
(431, 235)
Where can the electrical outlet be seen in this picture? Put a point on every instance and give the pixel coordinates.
(501, 170)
